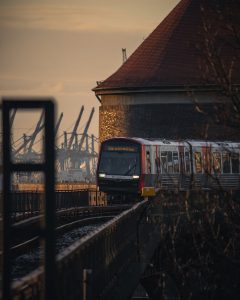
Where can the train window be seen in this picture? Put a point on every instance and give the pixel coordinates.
(235, 162)
(119, 163)
(226, 162)
(170, 161)
(187, 162)
(216, 162)
(164, 161)
(148, 163)
(206, 159)
(157, 162)
(176, 162)
(198, 162)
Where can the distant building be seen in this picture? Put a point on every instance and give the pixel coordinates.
(163, 89)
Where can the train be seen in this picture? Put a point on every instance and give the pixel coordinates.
(144, 167)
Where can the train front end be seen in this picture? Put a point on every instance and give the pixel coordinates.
(119, 168)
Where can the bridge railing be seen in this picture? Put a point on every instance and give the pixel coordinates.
(94, 267)
(29, 203)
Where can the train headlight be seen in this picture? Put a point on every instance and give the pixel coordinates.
(102, 175)
(135, 177)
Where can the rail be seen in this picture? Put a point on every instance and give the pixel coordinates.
(29, 228)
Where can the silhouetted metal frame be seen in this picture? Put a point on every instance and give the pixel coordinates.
(47, 167)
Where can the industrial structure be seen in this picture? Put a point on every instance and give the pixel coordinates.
(76, 154)
(166, 89)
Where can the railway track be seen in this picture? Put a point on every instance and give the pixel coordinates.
(27, 233)
(72, 224)
(29, 256)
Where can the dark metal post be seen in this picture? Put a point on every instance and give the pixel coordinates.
(49, 144)
(87, 286)
(48, 231)
(96, 195)
(7, 201)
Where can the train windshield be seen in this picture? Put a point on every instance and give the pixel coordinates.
(120, 159)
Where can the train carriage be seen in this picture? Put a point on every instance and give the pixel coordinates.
(145, 166)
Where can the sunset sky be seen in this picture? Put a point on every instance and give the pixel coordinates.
(60, 48)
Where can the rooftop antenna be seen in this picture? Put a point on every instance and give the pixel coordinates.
(124, 54)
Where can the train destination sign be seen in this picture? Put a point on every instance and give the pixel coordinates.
(121, 148)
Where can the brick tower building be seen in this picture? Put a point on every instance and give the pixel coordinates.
(165, 88)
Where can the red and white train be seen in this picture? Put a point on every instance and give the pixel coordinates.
(145, 166)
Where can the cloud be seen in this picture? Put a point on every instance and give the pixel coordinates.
(57, 87)
(42, 17)
(17, 86)
(68, 18)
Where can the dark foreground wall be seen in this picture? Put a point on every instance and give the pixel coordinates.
(170, 121)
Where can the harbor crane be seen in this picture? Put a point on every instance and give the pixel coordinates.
(76, 158)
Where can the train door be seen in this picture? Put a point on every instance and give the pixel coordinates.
(197, 159)
(182, 174)
(206, 155)
(148, 189)
(157, 167)
(197, 166)
(206, 161)
(182, 160)
(148, 162)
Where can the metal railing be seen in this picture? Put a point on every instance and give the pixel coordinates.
(26, 204)
(96, 266)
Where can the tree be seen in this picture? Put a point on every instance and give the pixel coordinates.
(199, 255)
(219, 49)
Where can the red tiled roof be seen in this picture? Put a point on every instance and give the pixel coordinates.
(168, 57)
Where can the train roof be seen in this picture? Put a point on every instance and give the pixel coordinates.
(193, 143)
(214, 144)
(148, 141)
(160, 142)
